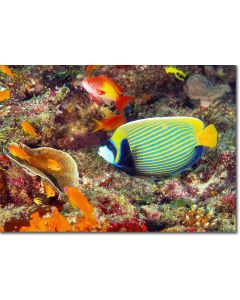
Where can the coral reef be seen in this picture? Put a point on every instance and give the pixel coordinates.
(52, 100)
(198, 87)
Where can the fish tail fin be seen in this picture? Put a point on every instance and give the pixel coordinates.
(98, 125)
(122, 102)
(208, 136)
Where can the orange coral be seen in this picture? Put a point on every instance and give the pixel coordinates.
(56, 223)
(86, 225)
(199, 218)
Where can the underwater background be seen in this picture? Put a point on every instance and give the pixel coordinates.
(60, 113)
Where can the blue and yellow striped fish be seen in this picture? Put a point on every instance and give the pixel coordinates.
(158, 147)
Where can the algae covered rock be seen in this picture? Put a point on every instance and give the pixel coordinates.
(198, 87)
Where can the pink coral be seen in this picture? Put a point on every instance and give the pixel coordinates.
(118, 216)
(132, 225)
(174, 190)
(230, 201)
(109, 207)
(22, 187)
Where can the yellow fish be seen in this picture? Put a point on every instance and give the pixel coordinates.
(6, 71)
(48, 190)
(179, 74)
(38, 201)
(4, 94)
(158, 147)
(18, 152)
(53, 165)
(27, 128)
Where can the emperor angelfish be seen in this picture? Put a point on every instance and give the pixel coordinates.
(157, 147)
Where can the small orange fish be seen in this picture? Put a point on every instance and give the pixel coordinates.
(6, 71)
(110, 123)
(48, 190)
(27, 128)
(79, 201)
(38, 201)
(89, 69)
(18, 152)
(4, 94)
(103, 89)
(53, 165)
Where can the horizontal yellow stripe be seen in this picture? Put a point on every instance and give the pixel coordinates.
(159, 124)
(159, 154)
(169, 146)
(166, 161)
(143, 125)
(167, 137)
(163, 129)
(145, 130)
(168, 140)
(165, 165)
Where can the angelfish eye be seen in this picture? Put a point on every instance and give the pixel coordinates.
(111, 148)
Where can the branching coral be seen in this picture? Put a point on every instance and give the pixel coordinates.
(199, 219)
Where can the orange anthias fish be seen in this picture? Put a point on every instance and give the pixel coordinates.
(48, 190)
(27, 128)
(4, 94)
(53, 165)
(110, 123)
(103, 89)
(18, 152)
(6, 71)
(79, 201)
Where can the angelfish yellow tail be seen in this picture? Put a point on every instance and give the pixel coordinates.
(208, 136)
(97, 125)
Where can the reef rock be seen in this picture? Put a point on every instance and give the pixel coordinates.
(198, 87)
